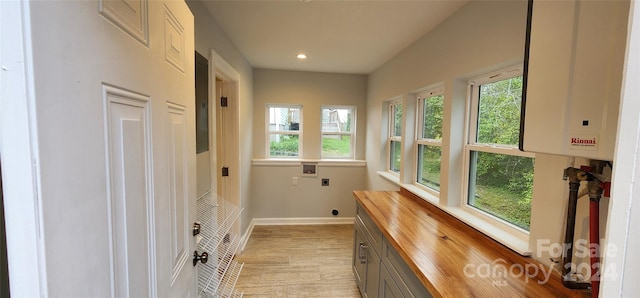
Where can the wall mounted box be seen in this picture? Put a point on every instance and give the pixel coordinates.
(574, 66)
(309, 169)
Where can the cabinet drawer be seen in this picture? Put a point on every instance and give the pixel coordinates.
(371, 231)
(409, 284)
(366, 264)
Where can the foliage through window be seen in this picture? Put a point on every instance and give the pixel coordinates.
(395, 134)
(338, 132)
(429, 142)
(500, 177)
(284, 130)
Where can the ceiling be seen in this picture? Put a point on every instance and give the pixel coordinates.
(337, 36)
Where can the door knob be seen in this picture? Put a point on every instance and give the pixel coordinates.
(203, 258)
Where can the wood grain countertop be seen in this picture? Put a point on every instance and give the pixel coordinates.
(452, 259)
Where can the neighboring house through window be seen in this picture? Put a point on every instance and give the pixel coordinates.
(338, 132)
(284, 130)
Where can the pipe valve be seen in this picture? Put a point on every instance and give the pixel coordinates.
(576, 175)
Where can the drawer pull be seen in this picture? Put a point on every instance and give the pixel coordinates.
(362, 252)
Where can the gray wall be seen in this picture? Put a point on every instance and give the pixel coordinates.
(209, 36)
(480, 37)
(312, 90)
(273, 195)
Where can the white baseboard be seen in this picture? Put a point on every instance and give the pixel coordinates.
(291, 221)
(302, 221)
(245, 237)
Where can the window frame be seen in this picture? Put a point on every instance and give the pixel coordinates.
(268, 131)
(391, 137)
(470, 144)
(351, 134)
(421, 97)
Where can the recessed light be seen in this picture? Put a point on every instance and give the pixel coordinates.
(301, 56)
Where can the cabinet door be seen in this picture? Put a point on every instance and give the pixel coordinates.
(388, 287)
(359, 259)
(399, 271)
(373, 273)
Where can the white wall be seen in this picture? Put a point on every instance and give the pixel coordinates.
(480, 37)
(209, 36)
(623, 232)
(273, 195)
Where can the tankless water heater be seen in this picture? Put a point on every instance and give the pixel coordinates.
(574, 66)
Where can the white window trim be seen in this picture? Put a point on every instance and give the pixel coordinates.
(352, 133)
(472, 103)
(506, 233)
(500, 225)
(268, 132)
(392, 138)
(420, 141)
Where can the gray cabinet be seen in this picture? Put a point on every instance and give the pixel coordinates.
(366, 263)
(388, 286)
(405, 280)
(359, 265)
(378, 268)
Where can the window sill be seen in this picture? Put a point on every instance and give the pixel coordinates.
(494, 228)
(298, 162)
(393, 178)
(515, 241)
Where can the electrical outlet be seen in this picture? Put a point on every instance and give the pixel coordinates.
(325, 181)
(294, 181)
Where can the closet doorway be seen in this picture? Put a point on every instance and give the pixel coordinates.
(225, 107)
(218, 157)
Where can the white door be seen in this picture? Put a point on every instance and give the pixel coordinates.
(114, 104)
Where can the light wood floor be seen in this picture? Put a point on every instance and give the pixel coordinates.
(298, 261)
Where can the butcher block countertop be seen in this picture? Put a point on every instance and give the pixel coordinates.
(452, 259)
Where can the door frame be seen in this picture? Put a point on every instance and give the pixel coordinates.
(220, 68)
(19, 154)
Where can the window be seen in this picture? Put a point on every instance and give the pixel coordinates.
(500, 177)
(429, 138)
(284, 130)
(338, 132)
(395, 134)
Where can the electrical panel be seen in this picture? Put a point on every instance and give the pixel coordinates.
(575, 59)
